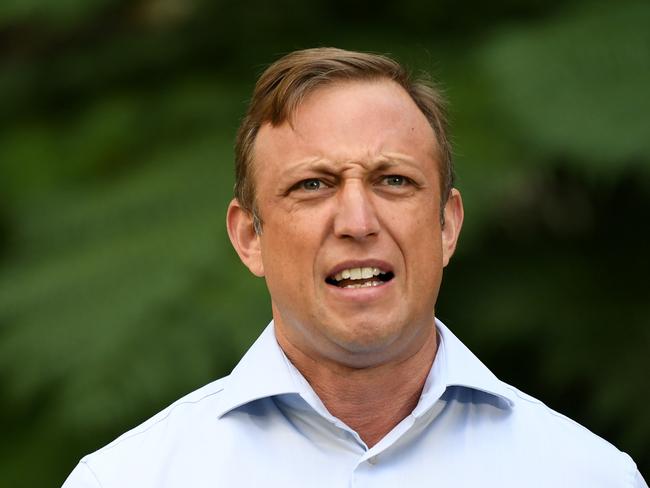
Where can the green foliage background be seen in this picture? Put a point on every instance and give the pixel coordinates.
(119, 291)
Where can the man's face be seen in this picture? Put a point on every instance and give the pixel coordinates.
(352, 247)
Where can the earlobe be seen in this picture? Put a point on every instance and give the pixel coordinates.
(453, 222)
(244, 238)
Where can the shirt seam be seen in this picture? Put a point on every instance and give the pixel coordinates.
(99, 483)
(173, 407)
(552, 412)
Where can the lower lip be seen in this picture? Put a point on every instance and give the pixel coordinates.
(365, 294)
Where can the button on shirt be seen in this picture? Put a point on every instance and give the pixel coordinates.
(265, 426)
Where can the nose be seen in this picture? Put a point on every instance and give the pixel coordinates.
(356, 216)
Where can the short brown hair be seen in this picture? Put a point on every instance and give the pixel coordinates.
(285, 83)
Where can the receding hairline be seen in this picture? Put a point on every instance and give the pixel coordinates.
(332, 84)
(298, 73)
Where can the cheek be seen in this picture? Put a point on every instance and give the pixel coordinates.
(423, 249)
(418, 230)
(288, 254)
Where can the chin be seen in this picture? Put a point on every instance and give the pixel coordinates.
(366, 339)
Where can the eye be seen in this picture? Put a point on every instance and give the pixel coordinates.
(394, 180)
(312, 184)
(311, 188)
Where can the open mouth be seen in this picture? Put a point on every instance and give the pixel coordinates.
(360, 277)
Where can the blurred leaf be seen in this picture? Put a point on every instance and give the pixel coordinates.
(113, 133)
(574, 85)
(60, 13)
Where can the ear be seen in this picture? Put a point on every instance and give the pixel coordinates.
(454, 214)
(244, 238)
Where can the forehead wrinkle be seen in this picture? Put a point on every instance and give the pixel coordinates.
(325, 165)
(410, 125)
(373, 155)
(314, 163)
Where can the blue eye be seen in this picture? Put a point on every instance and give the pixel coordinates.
(312, 184)
(395, 180)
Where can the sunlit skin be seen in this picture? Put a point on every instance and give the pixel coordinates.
(352, 181)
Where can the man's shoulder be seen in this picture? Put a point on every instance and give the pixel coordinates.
(176, 427)
(558, 440)
(189, 408)
(545, 421)
(523, 429)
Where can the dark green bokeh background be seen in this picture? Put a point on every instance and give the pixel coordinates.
(119, 291)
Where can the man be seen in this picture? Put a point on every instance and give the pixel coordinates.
(344, 203)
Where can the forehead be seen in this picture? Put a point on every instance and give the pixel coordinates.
(348, 121)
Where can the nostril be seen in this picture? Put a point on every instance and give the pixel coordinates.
(358, 232)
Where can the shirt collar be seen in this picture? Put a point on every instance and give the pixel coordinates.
(460, 367)
(265, 371)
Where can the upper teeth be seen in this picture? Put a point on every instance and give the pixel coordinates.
(357, 273)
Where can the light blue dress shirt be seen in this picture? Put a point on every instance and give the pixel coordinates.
(263, 426)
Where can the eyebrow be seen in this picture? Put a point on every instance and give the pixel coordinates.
(327, 167)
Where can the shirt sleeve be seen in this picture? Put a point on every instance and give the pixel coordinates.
(83, 477)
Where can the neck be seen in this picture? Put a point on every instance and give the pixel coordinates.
(372, 400)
